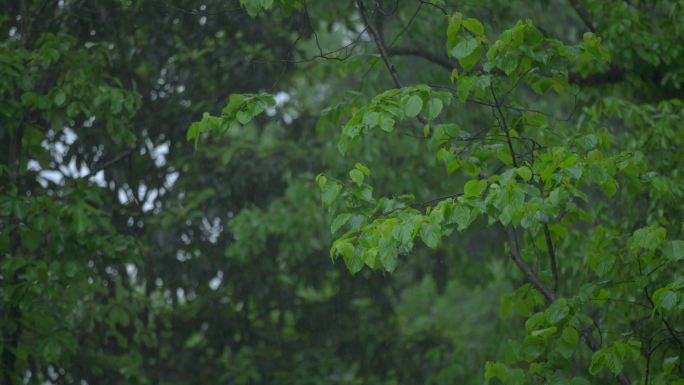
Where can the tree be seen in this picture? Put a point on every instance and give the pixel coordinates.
(582, 205)
(131, 255)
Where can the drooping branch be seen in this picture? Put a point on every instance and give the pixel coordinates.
(531, 276)
(549, 294)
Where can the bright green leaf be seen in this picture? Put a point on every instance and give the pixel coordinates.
(413, 106)
(339, 221)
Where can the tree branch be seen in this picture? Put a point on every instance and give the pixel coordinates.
(583, 14)
(380, 44)
(505, 127)
(101, 166)
(550, 296)
(531, 276)
(552, 257)
(442, 61)
(613, 75)
(377, 37)
(525, 268)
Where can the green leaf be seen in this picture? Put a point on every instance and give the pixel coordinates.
(496, 370)
(469, 61)
(546, 332)
(583, 381)
(609, 187)
(465, 48)
(194, 131)
(413, 106)
(474, 188)
(80, 220)
(345, 248)
(243, 117)
(321, 180)
(557, 311)
(455, 22)
(648, 238)
(386, 123)
(524, 172)
(454, 165)
(362, 168)
(567, 343)
(464, 84)
(339, 221)
(388, 254)
(353, 261)
(59, 98)
(434, 107)
(404, 234)
(330, 192)
(356, 176)
(608, 358)
(533, 347)
(370, 257)
(474, 26)
(674, 250)
(371, 119)
(430, 233)
(350, 254)
(602, 264)
(194, 340)
(461, 215)
(665, 299)
(509, 62)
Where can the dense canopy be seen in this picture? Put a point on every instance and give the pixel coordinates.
(341, 192)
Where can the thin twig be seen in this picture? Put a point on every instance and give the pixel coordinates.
(101, 166)
(552, 257)
(505, 127)
(383, 51)
(442, 61)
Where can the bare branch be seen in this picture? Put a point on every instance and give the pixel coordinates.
(380, 44)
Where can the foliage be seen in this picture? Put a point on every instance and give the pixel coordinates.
(537, 178)
(501, 182)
